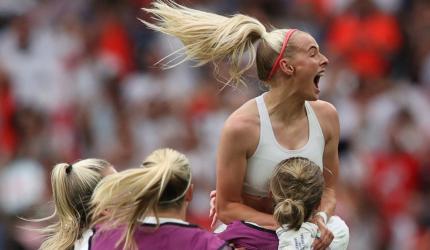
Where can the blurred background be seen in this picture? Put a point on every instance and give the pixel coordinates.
(77, 80)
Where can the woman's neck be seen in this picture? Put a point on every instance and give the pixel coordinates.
(180, 214)
(284, 106)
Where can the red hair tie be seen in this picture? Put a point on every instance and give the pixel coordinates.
(284, 45)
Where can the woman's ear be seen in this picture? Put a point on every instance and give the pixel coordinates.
(286, 67)
(106, 212)
(189, 193)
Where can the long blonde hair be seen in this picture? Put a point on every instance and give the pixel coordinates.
(208, 37)
(161, 183)
(297, 185)
(72, 188)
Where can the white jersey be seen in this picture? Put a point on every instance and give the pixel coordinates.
(269, 152)
(303, 238)
(84, 242)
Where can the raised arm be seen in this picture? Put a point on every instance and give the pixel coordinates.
(238, 138)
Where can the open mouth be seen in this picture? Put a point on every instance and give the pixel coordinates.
(317, 78)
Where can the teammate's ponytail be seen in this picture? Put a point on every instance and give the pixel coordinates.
(72, 188)
(127, 197)
(296, 185)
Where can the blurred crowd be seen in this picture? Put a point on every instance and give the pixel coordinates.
(79, 79)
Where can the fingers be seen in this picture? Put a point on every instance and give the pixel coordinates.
(214, 220)
(324, 238)
(212, 194)
(212, 210)
(317, 244)
(212, 203)
(322, 242)
(212, 207)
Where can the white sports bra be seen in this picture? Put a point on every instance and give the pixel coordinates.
(269, 152)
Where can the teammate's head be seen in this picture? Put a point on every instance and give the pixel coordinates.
(72, 188)
(296, 185)
(162, 183)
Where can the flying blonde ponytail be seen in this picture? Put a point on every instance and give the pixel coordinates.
(208, 37)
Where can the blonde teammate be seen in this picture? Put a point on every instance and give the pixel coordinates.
(146, 208)
(72, 188)
(297, 186)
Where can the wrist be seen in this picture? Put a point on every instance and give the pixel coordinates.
(323, 215)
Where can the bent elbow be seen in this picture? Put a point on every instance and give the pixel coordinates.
(223, 214)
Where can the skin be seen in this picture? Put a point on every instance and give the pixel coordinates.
(291, 85)
(108, 171)
(180, 213)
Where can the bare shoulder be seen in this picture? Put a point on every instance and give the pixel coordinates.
(244, 120)
(243, 125)
(324, 109)
(327, 117)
